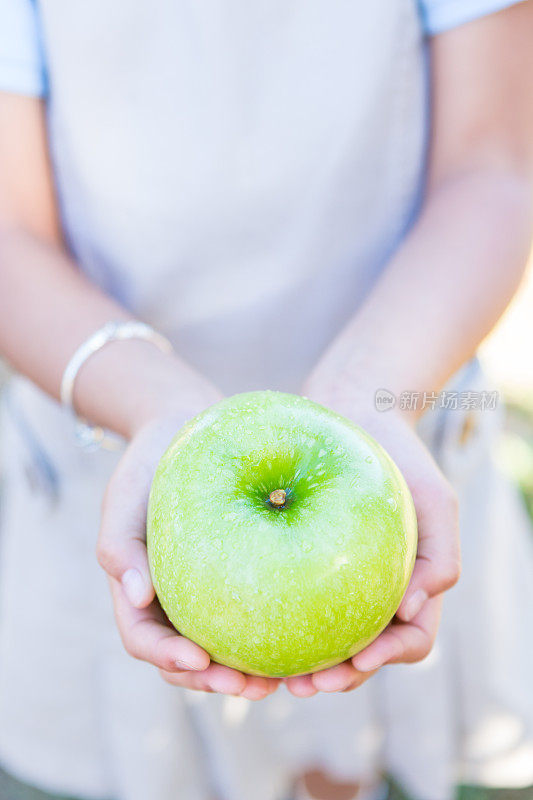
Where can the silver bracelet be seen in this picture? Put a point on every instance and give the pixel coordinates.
(92, 437)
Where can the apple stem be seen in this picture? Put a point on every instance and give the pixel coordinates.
(277, 497)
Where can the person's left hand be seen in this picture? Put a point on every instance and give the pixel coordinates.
(411, 634)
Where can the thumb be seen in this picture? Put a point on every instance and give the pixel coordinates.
(437, 566)
(121, 547)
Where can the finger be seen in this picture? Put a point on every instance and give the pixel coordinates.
(404, 642)
(225, 679)
(301, 686)
(258, 688)
(147, 636)
(335, 679)
(121, 548)
(216, 678)
(438, 562)
(186, 680)
(419, 635)
(361, 678)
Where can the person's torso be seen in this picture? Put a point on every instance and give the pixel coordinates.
(237, 173)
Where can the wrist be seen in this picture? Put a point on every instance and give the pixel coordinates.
(365, 395)
(129, 384)
(171, 390)
(359, 371)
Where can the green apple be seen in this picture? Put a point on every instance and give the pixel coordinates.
(281, 536)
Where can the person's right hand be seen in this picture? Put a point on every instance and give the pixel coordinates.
(144, 628)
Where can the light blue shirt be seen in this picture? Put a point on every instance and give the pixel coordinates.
(442, 15)
(23, 63)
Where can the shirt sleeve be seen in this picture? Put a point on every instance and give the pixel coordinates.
(441, 15)
(22, 67)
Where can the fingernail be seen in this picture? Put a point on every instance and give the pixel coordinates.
(370, 667)
(254, 693)
(218, 685)
(226, 685)
(185, 665)
(364, 663)
(414, 604)
(134, 587)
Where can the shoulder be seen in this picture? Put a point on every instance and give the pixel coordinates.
(22, 65)
(442, 15)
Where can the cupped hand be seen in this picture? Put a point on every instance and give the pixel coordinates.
(144, 628)
(411, 634)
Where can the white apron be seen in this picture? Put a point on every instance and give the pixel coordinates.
(237, 174)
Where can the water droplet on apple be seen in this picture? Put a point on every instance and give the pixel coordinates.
(307, 547)
(322, 453)
(368, 459)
